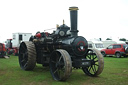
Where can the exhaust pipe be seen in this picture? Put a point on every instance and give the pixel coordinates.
(73, 20)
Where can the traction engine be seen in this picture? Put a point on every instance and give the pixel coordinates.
(61, 50)
(2, 50)
(10, 49)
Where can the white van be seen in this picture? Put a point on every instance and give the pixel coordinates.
(95, 45)
(19, 37)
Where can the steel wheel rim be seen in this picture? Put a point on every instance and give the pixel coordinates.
(27, 55)
(97, 63)
(60, 69)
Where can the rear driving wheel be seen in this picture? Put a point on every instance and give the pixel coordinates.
(97, 63)
(60, 65)
(27, 55)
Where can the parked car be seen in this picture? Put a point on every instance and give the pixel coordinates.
(106, 43)
(116, 49)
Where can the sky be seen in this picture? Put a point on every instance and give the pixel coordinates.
(96, 18)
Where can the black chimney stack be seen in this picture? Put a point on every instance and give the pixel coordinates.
(73, 19)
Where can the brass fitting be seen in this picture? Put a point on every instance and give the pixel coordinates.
(63, 21)
(73, 8)
(57, 25)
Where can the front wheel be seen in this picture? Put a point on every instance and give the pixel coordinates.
(97, 63)
(103, 53)
(60, 65)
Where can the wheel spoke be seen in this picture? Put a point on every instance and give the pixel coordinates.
(89, 69)
(89, 56)
(92, 56)
(25, 64)
(96, 64)
(60, 58)
(96, 59)
(59, 67)
(92, 69)
(55, 71)
(23, 48)
(23, 61)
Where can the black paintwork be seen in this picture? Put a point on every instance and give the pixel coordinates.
(63, 38)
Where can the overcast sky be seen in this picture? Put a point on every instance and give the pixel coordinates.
(96, 18)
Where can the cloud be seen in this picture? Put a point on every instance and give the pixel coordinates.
(96, 18)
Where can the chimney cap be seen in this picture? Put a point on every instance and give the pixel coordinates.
(73, 8)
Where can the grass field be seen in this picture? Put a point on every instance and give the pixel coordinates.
(115, 73)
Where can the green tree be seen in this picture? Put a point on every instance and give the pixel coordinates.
(122, 39)
(108, 39)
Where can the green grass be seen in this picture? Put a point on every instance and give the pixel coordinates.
(115, 73)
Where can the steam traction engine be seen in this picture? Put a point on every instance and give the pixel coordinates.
(61, 50)
(2, 50)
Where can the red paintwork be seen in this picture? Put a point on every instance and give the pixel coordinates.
(38, 35)
(12, 50)
(46, 33)
(2, 48)
(81, 42)
(15, 50)
(114, 50)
